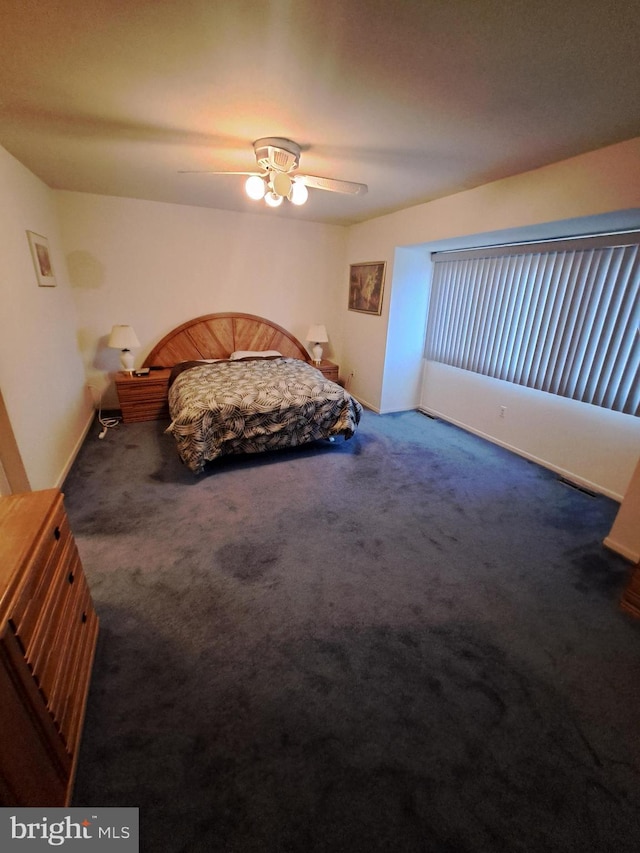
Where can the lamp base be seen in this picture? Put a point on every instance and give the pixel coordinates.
(317, 353)
(126, 360)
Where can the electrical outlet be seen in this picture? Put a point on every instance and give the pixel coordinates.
(503, 409)
(349, 379)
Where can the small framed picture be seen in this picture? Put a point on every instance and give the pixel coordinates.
(41, 259)
(366, 284)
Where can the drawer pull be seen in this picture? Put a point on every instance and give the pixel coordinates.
(84, 618)
(56, 533)
(71, 577)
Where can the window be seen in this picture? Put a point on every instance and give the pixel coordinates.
(561, 316)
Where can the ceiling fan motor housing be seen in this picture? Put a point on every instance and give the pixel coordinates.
(277, 154)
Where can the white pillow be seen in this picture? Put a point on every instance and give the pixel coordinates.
(246, 353)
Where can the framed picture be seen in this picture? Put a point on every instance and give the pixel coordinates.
(41, 259)
(366, 283)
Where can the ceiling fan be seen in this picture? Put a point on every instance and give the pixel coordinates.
(278, 159)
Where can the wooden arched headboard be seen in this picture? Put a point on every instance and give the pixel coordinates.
(218, 335)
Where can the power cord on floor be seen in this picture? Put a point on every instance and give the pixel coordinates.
(105, 423)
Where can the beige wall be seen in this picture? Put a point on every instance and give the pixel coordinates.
(584, 194)
(154, 265)
(41, 374)
(585, 187)
(589, 445)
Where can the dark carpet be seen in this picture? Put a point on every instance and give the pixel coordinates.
(410, 641)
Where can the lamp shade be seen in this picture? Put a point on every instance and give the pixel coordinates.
(123, 337)
(317, 335)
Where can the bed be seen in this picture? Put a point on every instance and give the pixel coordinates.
(242, 384)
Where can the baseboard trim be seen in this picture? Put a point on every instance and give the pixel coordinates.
(367, 405)
(76, 449)
(567, 475)
(622, 549)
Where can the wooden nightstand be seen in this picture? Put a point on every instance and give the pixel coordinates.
(143, 398)
(328, 369)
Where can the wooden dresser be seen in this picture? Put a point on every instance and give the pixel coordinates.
(48, 634)
(630, 600)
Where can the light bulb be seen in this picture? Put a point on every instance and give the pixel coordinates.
(273, 200)
(299, 193)
(255, 187)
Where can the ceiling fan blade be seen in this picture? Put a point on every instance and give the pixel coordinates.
(214, 172)
(333, 185)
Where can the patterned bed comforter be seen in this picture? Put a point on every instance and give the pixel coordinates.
(255, 405)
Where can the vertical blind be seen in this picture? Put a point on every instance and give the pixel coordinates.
(561, 317)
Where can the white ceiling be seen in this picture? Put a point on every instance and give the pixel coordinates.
(416, 99)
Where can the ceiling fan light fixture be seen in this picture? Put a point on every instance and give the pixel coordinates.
(255, 187)
(278, 158)
(299, 193)
(281, 184)
(273, 200)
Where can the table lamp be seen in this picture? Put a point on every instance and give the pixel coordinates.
(317, 335)
(124, 339)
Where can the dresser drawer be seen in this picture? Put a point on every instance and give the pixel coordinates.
(34, 767)
(147, 393)
(33, 594)
(51, 653)
(328, 369)
(145, 410)
(143, 398)
(631, 596)
(69, 700)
